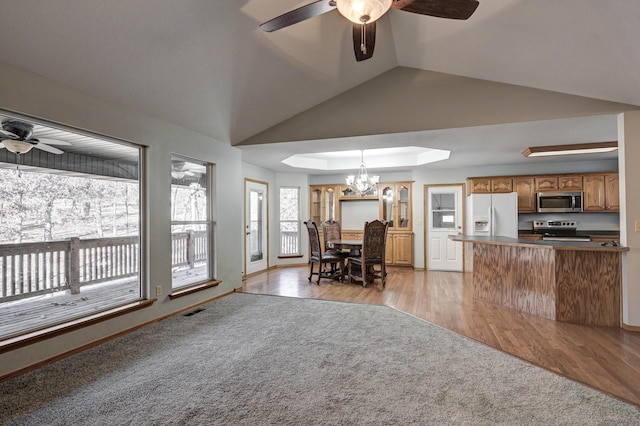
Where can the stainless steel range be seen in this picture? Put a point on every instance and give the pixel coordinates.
(559, 230)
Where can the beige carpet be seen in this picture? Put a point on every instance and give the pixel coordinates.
(250, 360)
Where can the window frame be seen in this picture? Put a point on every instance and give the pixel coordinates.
(109, 310)
(211, 265)
(296, 221)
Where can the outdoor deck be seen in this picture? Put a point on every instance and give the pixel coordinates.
(62, 306)
(45, 284)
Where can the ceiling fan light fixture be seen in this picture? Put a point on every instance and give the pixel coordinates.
(17, 147)
(363, 11)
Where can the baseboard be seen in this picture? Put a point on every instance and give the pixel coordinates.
(630, 327)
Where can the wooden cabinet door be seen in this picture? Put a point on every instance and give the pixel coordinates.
(530, 237)
(403, 207)
(315, 209)
(402, 249)
(611, 192)
(479, 185)
(546, 183)
(525, 188)
(594, 187)
(388, 254)
(570, 183)
(501, 184)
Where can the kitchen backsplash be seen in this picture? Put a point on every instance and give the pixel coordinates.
(585, 221)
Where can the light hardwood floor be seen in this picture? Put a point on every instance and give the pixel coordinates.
(605, 358)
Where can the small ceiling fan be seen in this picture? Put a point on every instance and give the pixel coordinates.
(17, 137)
(364, 14)
(179, 170)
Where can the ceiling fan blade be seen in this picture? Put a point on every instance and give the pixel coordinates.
(51, 141)
(45, 147)
(2, 145)
(298, 15)
(8, 135)
(364, 41)
(450, 9)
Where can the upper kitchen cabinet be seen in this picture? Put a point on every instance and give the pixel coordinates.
(559, 183)
(612, 192)
(601, 192)
(501, 184)
(395, 205)
(525, 187)
(478, 186)
(324, 203)
(488, 185)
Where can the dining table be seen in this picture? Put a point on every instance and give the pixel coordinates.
(354, 247)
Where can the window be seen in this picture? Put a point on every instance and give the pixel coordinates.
(69, 226)
(444, 210)
(289, 221)
(191, 226)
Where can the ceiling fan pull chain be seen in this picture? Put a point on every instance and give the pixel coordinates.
(18, 162)
(363, 39)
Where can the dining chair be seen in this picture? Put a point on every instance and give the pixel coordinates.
(316, 256)
(332, 231)
(374, 242)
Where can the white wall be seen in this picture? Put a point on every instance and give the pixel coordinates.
(36, 97)
(629, 152)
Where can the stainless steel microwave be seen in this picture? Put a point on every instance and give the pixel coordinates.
(559, 202)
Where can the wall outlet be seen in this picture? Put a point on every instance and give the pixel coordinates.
(158, 290)
(637, 225)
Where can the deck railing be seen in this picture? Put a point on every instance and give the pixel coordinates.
(189, 248)
(31, 269)
(289, 242)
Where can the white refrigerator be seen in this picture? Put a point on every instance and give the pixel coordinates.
(492, 215)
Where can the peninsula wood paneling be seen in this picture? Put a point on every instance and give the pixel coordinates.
(580, 300)
(502, 275)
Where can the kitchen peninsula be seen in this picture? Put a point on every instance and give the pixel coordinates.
(576, 282)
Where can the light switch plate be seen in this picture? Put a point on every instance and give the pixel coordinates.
(637, 225)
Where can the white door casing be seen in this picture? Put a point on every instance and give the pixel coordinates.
(255, 226)
(444, 211)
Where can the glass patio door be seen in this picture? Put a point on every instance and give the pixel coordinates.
(256, 235)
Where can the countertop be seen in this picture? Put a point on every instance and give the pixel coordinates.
(613, 234)
(552, 245)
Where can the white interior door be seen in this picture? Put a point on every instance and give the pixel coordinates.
(256, 231)
(444, 218)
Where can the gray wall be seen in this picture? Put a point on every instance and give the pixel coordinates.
(33, 96)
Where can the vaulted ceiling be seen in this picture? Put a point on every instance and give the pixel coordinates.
(205, 65)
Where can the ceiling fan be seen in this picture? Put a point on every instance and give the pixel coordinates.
(179, 170)
(17, 137)
(364, 13)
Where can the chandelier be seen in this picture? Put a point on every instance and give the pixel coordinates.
(362, 184)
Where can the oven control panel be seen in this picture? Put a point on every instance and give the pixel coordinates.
(555, 224)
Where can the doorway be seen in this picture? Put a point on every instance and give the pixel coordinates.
(256, 230)
(444, 216)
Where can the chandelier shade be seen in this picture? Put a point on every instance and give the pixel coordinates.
(363, 11)
(362, 183)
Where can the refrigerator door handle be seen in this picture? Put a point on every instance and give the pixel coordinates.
(492, 220)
